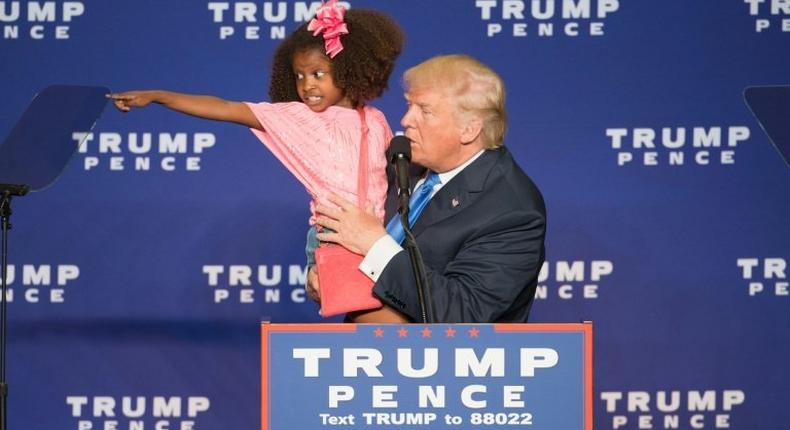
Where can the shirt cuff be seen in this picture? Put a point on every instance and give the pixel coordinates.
(379, 256)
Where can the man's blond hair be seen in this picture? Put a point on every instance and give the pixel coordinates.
(477, 91)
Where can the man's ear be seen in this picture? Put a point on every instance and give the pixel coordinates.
(470, 132)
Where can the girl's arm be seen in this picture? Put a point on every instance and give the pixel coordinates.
(207, 107)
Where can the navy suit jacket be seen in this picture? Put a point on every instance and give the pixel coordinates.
(482, 240)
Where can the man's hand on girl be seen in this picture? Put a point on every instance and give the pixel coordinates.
(355, 229)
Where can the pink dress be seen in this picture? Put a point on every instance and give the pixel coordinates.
(321, 149)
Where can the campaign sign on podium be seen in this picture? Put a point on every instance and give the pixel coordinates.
(437, 376)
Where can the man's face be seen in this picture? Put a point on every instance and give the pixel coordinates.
(430, 124)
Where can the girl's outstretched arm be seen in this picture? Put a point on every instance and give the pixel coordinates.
(207, 107)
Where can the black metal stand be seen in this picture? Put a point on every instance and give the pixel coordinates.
(417, 265)
(6, 192)
(423, 287)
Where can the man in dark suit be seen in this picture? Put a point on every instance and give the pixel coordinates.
(482, 233)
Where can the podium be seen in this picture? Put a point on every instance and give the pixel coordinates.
(435, 376)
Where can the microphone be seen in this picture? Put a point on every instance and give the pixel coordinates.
(400, 154)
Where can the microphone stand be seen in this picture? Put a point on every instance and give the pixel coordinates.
(6, 191)
(417, 264)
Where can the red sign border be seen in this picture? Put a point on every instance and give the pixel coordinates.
(586, 328)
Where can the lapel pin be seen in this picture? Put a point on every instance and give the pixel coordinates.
(455, 202)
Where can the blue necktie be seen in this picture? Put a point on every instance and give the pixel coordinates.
(417, 203)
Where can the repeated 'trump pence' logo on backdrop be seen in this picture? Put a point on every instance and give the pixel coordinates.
(545, 18)
(572, 280)
(138, 412)
(261, 20)
(677, 146)
(671, 409)
(39, 283)
(770, 16)
(766, 276)
(115, 152)
(38, 19)
(239, 283)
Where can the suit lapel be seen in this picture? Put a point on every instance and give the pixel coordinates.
(460, 192)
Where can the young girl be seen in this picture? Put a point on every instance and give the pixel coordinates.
(323, 75)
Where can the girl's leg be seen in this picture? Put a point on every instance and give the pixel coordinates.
(310, 247)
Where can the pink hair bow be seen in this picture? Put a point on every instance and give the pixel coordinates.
(329, 20)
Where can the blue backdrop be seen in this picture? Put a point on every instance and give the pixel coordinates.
(138, 280)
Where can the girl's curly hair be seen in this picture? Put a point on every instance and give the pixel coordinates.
(361, 70)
